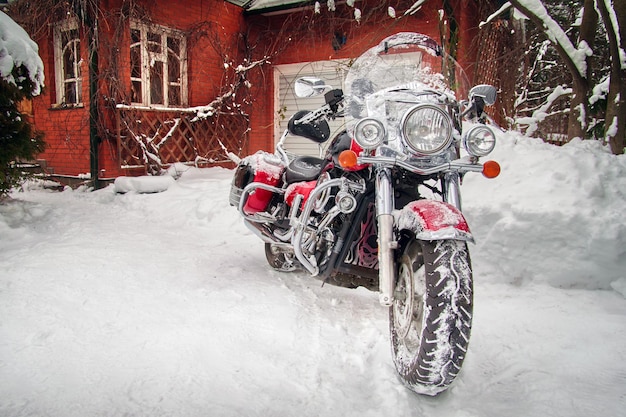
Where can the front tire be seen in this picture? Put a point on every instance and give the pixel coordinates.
(431, 317)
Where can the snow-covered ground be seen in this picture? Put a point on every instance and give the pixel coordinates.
(163, 305)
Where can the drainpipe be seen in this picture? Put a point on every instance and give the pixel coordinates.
(94, 139)
(88, 13)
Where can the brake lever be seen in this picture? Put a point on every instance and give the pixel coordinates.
(314, 115)
(476, 109)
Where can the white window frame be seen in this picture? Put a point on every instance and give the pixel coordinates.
(59, 64)
(149, 58)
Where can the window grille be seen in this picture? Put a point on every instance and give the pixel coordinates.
(158, 66)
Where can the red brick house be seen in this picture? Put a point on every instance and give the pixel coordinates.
(137, 99)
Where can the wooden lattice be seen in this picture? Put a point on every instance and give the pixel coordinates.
(497, 66)
(156, 138)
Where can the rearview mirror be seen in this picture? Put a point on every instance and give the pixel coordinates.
(487, 92)
(309, 87)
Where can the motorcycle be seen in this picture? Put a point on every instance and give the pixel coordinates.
(382, 208)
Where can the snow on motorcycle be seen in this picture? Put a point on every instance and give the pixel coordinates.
(382, 208)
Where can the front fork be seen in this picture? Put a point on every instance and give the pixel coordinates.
(450, 185)
(386, 241)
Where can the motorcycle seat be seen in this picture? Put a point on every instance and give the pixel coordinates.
(304, 168)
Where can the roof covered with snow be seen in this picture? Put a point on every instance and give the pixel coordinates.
(265, 4)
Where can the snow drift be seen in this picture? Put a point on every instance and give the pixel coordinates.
(561, 209)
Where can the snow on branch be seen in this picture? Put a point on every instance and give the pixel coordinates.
(210, 109)
(169, 134)
(506, 6)
(229, 154)
(616, 29)
(536, 11)
(18, 49)
(415, 7)
(600, 90)
(541, 113)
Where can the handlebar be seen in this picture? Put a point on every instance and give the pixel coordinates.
(324, 111)
(334, 99)
(458, 165)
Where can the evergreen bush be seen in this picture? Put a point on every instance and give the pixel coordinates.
(18, 140)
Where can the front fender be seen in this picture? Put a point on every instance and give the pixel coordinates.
(433, 220)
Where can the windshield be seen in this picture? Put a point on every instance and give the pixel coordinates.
(404, 61)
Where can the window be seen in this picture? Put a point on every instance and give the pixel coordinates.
(158, 66)
(67, 62)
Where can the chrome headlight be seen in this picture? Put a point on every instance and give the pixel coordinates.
(479, 141)
(427, 129)
(369, 133)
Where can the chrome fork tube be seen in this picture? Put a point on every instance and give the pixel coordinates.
(450, 185)
(386, 242)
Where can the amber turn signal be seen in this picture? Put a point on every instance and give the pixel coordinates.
(491, 169)
(348, 159)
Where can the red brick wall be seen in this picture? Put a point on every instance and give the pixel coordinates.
(67, 130)
(469, 17)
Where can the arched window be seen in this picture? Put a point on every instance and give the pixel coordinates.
(67, 63)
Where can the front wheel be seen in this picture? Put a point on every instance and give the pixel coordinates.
(431, 317)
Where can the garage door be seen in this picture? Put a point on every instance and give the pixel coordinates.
(286, 103)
